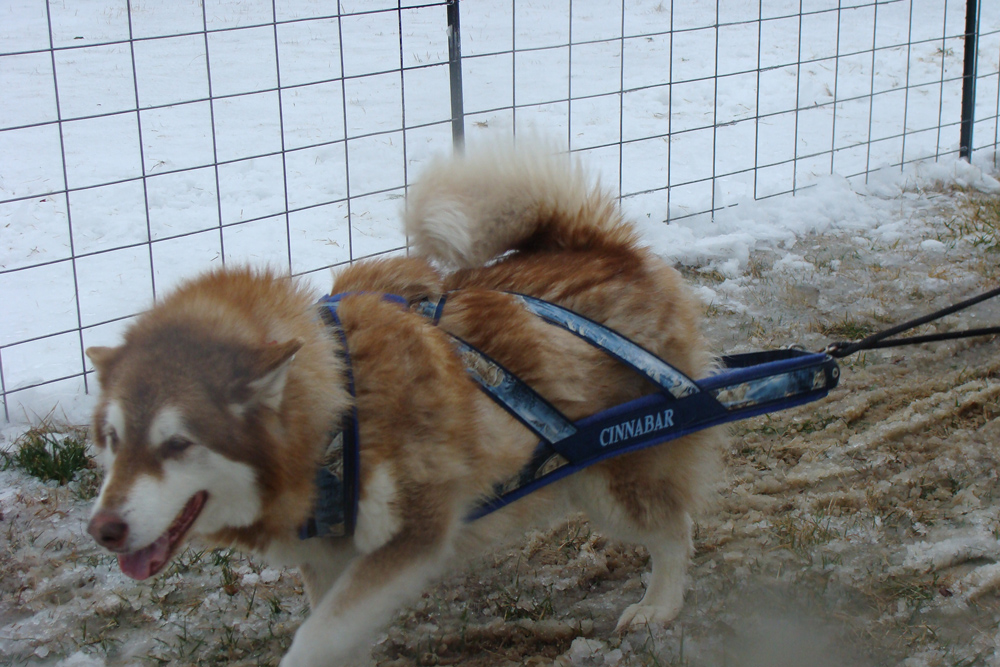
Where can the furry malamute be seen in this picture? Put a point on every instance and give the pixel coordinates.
(217, 407)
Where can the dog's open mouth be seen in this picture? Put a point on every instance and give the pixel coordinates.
(147, 561)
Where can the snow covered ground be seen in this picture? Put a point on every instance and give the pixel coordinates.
(861, 530)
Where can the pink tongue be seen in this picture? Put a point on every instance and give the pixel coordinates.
(146, 562)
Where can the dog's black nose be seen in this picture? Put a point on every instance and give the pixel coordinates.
(108, 529)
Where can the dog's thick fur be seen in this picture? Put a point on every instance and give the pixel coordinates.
(214, 411)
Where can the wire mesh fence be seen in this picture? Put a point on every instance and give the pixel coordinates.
(143, 141)
(708, 104)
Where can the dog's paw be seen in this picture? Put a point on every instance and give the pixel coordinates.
(305, 651)
(297, 658)
(300, 658)
(640, 615)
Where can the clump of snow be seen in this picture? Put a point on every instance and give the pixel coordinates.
(81, 659)
(933, 246)
(943, 553)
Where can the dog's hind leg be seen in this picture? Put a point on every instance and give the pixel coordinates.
(640, 515)
(670, 551)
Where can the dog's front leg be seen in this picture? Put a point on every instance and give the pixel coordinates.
(357, 605)
(320, 573)
(321, 561)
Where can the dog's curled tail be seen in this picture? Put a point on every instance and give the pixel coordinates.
(466, 210)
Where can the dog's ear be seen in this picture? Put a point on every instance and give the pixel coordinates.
(104, 359)
(266, 384)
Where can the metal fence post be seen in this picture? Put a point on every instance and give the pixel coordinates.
(969, 79)
(455, 71)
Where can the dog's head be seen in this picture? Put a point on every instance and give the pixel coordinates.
(179, 428)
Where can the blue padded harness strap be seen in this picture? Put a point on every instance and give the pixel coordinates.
(506, 389)
(792, 378)
(431, 309)
(510, 393)
(643, 361)
(336, 509)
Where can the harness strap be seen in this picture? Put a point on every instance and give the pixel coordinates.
(506, 389)
(643, 361)
(752, 385)
(527, 405)
(512, 394)
(335, 511)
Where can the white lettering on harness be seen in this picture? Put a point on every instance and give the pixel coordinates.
(636, 427)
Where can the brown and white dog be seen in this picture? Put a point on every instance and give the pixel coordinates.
(215, 410)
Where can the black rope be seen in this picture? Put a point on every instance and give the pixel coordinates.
(878, 340)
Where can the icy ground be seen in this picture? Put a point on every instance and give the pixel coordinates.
(859, 530)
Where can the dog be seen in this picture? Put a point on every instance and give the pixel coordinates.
(214, 412)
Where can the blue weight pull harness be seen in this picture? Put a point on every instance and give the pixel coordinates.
(747, 385)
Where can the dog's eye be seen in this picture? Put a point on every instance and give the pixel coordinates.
(175, 446)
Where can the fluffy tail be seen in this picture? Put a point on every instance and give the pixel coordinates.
(466, 210)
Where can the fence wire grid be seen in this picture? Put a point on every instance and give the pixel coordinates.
(144, 140)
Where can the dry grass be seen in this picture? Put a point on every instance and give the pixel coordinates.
(849, 328)
(977, 224)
